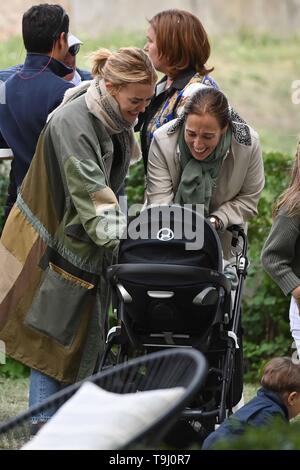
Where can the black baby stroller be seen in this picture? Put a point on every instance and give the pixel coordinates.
(170, 289)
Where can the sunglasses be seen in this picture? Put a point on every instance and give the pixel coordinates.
(74, 49)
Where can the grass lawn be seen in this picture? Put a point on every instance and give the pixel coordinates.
(256, 73)
(14, 396)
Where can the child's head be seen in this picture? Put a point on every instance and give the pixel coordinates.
(282, 376)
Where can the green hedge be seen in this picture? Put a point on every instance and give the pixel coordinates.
(265, 308)
(135, 184)
(276, 436)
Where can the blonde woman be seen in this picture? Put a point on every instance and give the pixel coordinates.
(281, 252)
(53, 296)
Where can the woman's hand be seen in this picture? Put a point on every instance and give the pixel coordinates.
(216, 222)
(296, 295)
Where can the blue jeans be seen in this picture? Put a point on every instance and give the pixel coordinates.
(42, 387)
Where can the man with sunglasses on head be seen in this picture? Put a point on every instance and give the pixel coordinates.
(35, 89)
(77, 75)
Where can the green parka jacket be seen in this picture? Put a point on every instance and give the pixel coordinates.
(56, 245)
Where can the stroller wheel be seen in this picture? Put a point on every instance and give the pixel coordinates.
(207, 427)
(183, 435)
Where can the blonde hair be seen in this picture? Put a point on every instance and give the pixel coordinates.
(290, 198)
(127, 65)
(281, 375)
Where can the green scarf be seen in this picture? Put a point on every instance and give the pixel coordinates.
(198, 177)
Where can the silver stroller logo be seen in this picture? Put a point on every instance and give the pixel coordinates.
(165, 234)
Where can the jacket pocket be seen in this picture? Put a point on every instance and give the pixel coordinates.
(59, 304)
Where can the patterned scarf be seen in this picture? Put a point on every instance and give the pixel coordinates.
(102, 105)
(168, 110)
(198, 177)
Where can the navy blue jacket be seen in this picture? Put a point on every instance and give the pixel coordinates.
(31, 93)
(257, 412)
(84, 74)
(6, 73)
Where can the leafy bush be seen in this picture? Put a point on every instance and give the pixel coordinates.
(135, 184)
(276, 436)
(13, 369)
(265, 315)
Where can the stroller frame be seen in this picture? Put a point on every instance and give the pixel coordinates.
(226, 380)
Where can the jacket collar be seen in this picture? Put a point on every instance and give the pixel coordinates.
(240, 129)
(273, 396)
(183, 79)
(178, 84)
(36, 61)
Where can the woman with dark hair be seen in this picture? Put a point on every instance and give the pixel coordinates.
(208, 156)
(178, 46)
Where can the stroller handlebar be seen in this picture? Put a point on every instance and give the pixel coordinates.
(237, 231)
(235, 228)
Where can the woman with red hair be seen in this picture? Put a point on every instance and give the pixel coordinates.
(178, 46)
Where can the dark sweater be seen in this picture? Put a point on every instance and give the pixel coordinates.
(281, 252)
(259, 411)
(7, 73)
